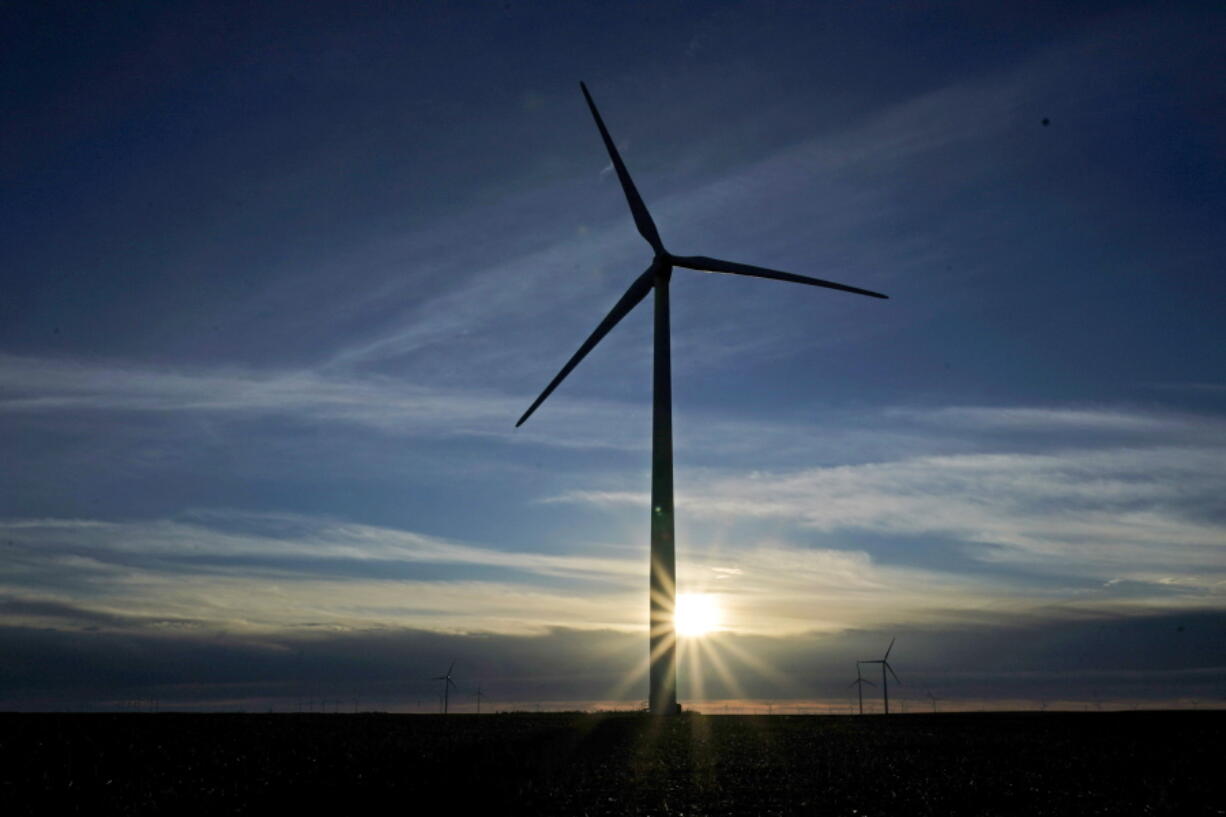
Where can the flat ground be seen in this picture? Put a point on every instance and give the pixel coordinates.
(1024, 764)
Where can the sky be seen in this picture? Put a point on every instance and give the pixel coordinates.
(279, 279)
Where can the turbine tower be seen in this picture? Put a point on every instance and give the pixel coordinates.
(447, 685)
(885, 665)
(662, 583)
(859, 685)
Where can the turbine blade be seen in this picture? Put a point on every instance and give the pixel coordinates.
(887, 649)
(704, 264)
(870, 683)
(449, 669)
(642, 219)
(892, 672)
(637, 291)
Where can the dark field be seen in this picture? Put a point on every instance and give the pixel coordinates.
(1025, 764)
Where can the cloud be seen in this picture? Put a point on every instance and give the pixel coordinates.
(510, 290)
(59, 392)
(262, 571)
(1141, 510)
(63, 614)
(1130, 497)
(38, 387)
(1047, 420)
(1102, 508)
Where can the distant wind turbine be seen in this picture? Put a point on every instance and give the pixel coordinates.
(859, 685)
(480, 695)
(662, 583)
(934, 700)
(447, 685)
(885, 665)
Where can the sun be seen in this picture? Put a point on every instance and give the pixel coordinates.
(697, 614)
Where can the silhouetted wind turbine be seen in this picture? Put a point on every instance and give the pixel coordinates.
(662, 582)
(447, 685)
(885, 665)
(859, 685)
(934, 700)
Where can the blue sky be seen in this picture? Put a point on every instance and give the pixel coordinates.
(278, 282)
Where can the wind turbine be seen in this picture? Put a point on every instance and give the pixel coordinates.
(885, 665)
(859, 685)
(934, 700)
(662, 583)
(480, 695)
(447, 685)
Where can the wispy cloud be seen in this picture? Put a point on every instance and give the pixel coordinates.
(1084, 420)
(58, 391)
(260, 571)
(1147, 514)
(40, 386)
(576, 276)
(1111, 528)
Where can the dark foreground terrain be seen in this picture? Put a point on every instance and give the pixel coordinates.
(1025, 764)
